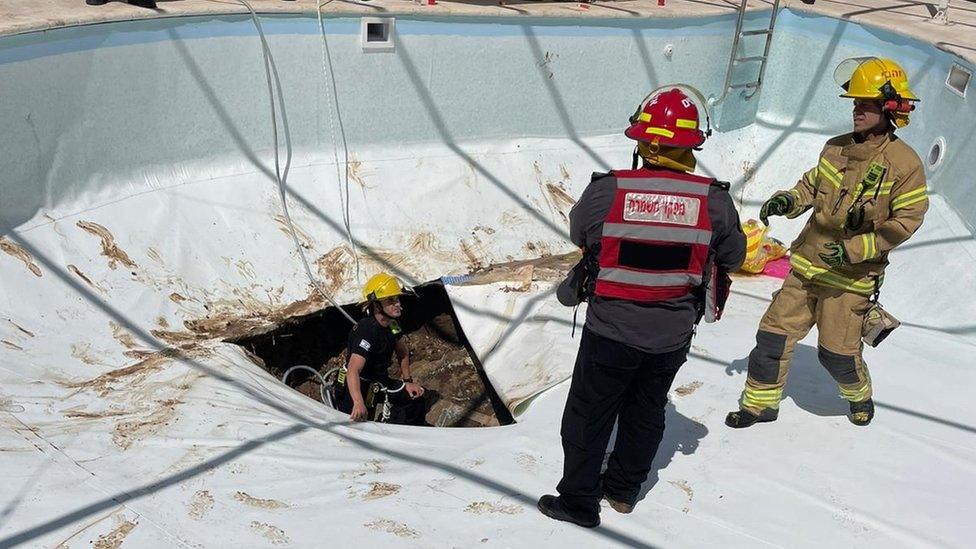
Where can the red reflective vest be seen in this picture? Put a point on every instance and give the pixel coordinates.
(656, 237)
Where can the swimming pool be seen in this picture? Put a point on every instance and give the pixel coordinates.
(141, 212)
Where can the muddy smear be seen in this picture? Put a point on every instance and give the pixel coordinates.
(473, 262)
(245, 268)
(17, 252)
(396, 528)
(527, 462)
(332, 267)
(122, 336)
(11, 345)
(470, 177)
(201, 504)
(162, 322)
(548, 268)
(252, 501)
(85, 353)
(176, 298)
(688, 388)
(564, 172)
(426, 245)
(684, 487)
(369, 467)
(354, 171)
(379, 490)
(177, 338)
(153, 254)
(560, 197)
(274, 534)
(77, 272)
(82, 414)
(128, 432)
(129, 375)
(512, 219)
(114, 539)
(23, 330)
(303, 239)
(110, 250)
(139, 354)
(488, 508)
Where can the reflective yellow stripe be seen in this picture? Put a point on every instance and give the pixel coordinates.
(870, 247)
(811, 177)
(686, 123)
(825, 164)
(761, 398)
(886, 188)
(902, 205)
(856, 395)
(829, 172)
(808, 270)
(909, 198)
(644, 117)
(660, 131)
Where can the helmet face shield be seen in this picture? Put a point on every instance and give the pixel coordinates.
(845, 70)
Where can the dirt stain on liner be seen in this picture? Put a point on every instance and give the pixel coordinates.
(252, 501)
(110, 249)
(18, 252)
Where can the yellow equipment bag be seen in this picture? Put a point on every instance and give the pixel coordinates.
(760, 249)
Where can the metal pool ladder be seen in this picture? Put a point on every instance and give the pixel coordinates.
(735, 60)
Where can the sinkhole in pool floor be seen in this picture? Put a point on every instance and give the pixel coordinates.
(458, 391)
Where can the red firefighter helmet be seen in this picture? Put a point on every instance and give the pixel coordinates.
(668, 117)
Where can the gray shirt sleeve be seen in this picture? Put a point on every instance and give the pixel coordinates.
(588, 214)
(727, 239)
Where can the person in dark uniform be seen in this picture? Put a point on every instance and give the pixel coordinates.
(660, 242)
(365, 383)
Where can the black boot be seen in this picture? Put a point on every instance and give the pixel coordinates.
(554, 508)
(144, 3)
(744, 418)
(618, 505)
(96, 2)
(861, 412)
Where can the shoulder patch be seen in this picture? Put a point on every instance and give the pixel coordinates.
(364, 344)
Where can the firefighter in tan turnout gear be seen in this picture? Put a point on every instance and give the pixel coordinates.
(868, 195)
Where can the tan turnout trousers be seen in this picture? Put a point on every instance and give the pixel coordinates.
(795, 309)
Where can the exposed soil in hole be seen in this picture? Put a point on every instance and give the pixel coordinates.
(459, 394)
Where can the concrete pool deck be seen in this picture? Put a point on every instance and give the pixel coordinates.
(905, 17)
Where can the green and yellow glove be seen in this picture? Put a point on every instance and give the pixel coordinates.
(836, 255)
(779, 204)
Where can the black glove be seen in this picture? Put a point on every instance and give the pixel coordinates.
(779, 204)
(836, 255)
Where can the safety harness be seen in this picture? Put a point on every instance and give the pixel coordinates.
(380, 411)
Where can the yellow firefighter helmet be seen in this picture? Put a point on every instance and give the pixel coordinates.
(873, 78)
(381, 286)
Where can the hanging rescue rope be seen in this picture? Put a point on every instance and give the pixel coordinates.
(269, 68)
